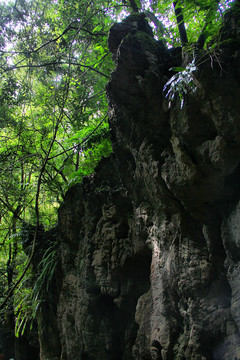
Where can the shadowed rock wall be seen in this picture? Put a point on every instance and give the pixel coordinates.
(150, 245)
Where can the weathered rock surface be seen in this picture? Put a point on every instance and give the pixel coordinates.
(150, 245)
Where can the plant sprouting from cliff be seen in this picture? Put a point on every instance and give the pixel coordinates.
(181, 83)
(28, 301)
(46, 267)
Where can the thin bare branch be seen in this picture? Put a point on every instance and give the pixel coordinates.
(56, 63)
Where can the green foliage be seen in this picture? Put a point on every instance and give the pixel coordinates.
(30, 297)
(181, 83)
(25, 311)
(46, 269)
(203, 16)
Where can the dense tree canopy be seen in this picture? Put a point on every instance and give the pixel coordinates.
(54, 66)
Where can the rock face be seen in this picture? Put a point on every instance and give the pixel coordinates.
(149, 246)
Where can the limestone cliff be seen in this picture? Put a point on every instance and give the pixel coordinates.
(149, 246)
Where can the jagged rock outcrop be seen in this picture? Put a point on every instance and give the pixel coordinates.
(149, 246)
